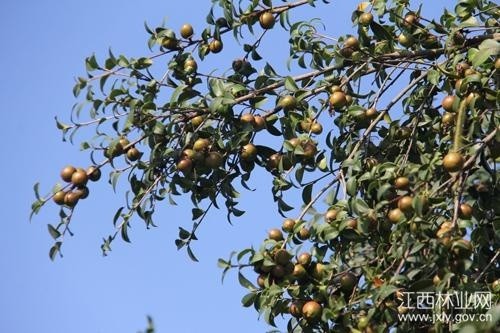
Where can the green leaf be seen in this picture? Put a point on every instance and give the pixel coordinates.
(54, 250)
(248, 299)
(290, 84)
(53, 231)
(488, 48)
(352, 186)
(191, 254)
(306, 194)
(244, 282)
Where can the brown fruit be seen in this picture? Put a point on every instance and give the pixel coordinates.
(186, 30)
(59, 197)
(395, 215)
(465, 211)
(185, 165)
(295, 309)
(304, 259)
(405, 204)
(275, 234)
(351, 224)
(79, 177)
(371, 113)
(201, 144)
(304, 233)
(169, 43)
(278, 271)
(462, 248)
(430, 42)
(82, 192)
(318, 271)
(274, 161)
(338, 99)
(365, 19)
(248, 152)
(133, 154)
(288, 225)
(197, 121)
(261, 281)
(94, 173)
(436, 280)
(67, 172)
(213, 160)
(331, 215)
(71, 199)
(215, 46)
(259, 123)
(497, 64)
(447, 103)
(348, 282)
(124, 142)
(453, 162)
(351, 42)
(310, 150)
(402, 183)
(247, 118)
(316, 128)
(335, 88)
(282, 257)
(288, 102)
(312, 311)
(267, 20)
(410, 20)
(299, 272)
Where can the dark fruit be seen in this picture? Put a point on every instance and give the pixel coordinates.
(185, 165)
(453, 162)
(259, 123)
(94, 173)
(304, 233)
(261, 281)
(312, 311)
(59, 197)
(186, 31)
(310, 150)
(406, 40)
(67, 172)
(410, 20)
(79, 177)
(348, 282)
(295, 309)
(133, 154)
(278, 271)
(282, 257)
(351, 42)
(82, 192)
(213, 160)
(299, 272)
(267, 20)
(275, 234)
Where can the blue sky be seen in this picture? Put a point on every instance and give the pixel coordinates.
(43, 47)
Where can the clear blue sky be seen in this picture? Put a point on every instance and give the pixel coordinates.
(43, 47)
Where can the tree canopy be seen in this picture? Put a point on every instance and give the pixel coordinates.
(390, 136)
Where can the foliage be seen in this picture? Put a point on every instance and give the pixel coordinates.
(392, 137)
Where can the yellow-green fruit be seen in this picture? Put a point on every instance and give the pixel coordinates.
(448, 119)
(201, 144)
(267, 20)
(79, 177)
(316, 128)
(248, 152)
(312, 311)
(67, 172)
(59, 197)
(288, 102)
(363, 322)
(275, 234)
(395, 215)
(197, 121)
(453, 162)
(247, 118)
(338, 99)
(406, 39)
(331, 215)
(365, 19)
(186, 30)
